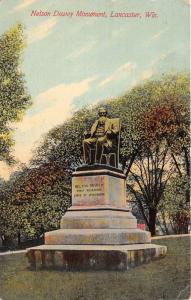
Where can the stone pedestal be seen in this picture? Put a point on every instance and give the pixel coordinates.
(97, 231)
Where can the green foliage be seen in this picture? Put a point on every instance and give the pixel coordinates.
(33, 202)
(174, 196)
(7, 213)
(13, 95)
(174, 208)
(44, 214)
(14, 100)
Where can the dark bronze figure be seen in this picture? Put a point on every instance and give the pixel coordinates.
(102, 139)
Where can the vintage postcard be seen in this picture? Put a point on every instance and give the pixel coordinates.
(94, 149)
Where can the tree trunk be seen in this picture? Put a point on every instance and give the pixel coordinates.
(18, 238)
(187, 196)
(186, 231)
(152, 221)
(164, 223)
(6, 241)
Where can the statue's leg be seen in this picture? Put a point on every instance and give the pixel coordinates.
(87, 144)
(99, 148)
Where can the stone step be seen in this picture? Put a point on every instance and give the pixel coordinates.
(86, 219)
(93, 257)
(97, 236)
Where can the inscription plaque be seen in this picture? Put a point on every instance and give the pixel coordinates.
(94, 190)
(89, 190)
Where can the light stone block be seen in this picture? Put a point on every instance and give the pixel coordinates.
(97, 237)
(93, 257)
(98, 188)
(87, 219)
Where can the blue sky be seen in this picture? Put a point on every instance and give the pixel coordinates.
(74, 61)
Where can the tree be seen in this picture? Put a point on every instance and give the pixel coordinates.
(152, 167)
(38, 197)
(147, 181)
(7, 213)
(14, 99)
(170, 121)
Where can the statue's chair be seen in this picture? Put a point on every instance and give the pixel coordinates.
(109, 156)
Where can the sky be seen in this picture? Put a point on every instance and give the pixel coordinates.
(70, 62)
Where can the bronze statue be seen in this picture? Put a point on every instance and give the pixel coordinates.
(100, 138)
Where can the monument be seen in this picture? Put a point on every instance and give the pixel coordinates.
(97, 232)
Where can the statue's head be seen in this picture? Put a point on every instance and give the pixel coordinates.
(102, 112)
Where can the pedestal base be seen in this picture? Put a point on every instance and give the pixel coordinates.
(97, 218)
(97, 232)
(93, 257)
(97, 237)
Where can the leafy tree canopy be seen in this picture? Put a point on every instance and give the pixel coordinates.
(14, 98)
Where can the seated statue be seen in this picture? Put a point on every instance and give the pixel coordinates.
(100, 137)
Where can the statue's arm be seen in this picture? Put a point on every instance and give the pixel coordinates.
(93, 128)
(112, 131)
(87, 134)
(114, 128)
(90, 133)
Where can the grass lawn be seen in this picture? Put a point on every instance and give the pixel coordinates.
(167, 278)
